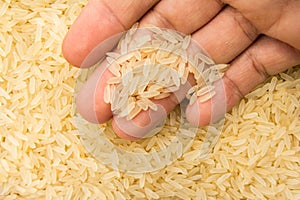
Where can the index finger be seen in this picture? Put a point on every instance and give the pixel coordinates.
(99, 20)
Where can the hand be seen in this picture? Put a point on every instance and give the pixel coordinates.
(258, 38)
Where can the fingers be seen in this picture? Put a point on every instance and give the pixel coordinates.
(225, 37)
(185, 16)
(265, 57)
(88, 31)
(99, 20)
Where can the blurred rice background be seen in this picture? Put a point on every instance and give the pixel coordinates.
(41, 156)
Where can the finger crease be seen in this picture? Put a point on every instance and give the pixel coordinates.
(257, 65)
(234, 87)
(246, 26)
(220, 2)
(118, 20)
(160, 17)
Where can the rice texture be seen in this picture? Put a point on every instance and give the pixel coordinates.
(42, 155)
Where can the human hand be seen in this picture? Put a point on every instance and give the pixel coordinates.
(258, 38)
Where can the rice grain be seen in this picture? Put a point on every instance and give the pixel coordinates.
(47, 153)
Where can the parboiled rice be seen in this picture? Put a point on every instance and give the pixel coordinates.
(36, 162)
(160, 54)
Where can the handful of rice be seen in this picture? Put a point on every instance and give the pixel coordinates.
(153, 65)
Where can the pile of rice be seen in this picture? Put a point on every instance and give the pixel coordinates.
(41, 155)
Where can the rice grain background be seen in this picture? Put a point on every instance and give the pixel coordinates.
(41, 156)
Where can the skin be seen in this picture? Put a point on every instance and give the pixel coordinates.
(258, 38)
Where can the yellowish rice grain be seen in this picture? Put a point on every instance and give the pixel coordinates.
(42, 155)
